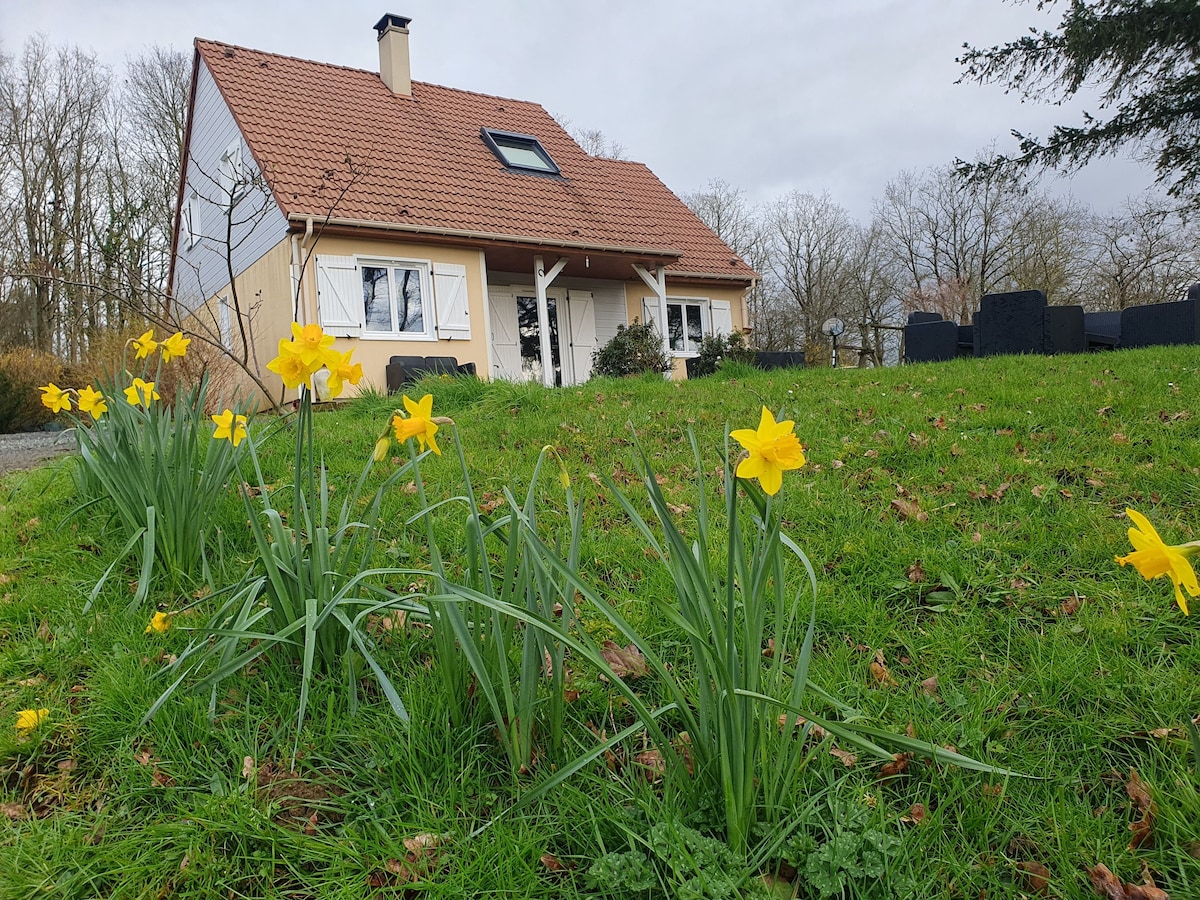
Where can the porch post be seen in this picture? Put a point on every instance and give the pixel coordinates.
(658, 283)
(543, 280)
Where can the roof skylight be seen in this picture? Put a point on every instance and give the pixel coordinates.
(522, 152)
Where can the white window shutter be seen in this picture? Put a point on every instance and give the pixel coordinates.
(339, 295)
(581, 312)
(650, 313)
(450, 296)
(722, 318)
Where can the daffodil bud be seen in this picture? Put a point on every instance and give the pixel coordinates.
(381, 448)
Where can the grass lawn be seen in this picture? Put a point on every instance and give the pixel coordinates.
(962, 519)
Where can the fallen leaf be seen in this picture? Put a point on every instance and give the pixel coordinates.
(881, 676)
(897, 766)
(777, 886)
(930, 686)
(993, 790)
(909, 510)
(1070, 606)
(1145, 892)
(916, 574)
(419, 843)
(1038, 490)
(1143, 828)
(1105, 883)
(1036, 876)
(916, 815)
(553, 863)
(248, 767)
(1119, 438)
(845, 757)
(161, 778)
(12, 811)
(652, 763)
(625, 663)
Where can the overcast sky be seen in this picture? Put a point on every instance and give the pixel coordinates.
(770, 95)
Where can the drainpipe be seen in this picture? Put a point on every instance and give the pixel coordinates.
(299, 247)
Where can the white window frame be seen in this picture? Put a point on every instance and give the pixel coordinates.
(705, 307)
(232, 173)
(428, 313)
(192, 221)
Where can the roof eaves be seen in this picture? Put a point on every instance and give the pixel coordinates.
(671, 252)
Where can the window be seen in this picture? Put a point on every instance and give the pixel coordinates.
(686, 324)
(396, 298)
(191, 222)
(225, 322)
(232, 174)
(519, 151)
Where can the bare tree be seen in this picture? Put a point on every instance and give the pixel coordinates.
(812, 248)
(593, 141)
(1145, 254)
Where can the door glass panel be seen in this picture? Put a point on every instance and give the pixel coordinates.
(530, 338)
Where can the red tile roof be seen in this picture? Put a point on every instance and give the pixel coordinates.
(317, 130)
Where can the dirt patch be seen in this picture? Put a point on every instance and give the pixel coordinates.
(31, 449)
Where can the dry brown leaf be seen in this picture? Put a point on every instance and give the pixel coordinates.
(419, 843)
(898, 765)
(1119, 438)
(908, 509)
(627, 662)
(916, 573)
(1145, 892)
(652, 763)
(930, 686)
(1070, 606)
(916, 815)
(161, 778)
(1035, 876)
(1105, 883)
(1038, 490)
(845, 757)
(249, 767)
(880, 676)
(12, 811)
(553, 863)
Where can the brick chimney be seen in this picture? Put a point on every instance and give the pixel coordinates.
(393, 53)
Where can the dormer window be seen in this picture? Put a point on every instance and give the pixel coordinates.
(522, 152)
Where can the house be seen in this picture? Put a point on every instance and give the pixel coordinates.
(413, 219)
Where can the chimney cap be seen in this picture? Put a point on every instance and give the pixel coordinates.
(389, 20)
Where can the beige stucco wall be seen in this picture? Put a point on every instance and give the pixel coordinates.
(264, 298)
(635, 291)
(374, 353)
(265, 289)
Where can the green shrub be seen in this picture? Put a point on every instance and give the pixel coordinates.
(717, 351)
(634, 350)
(22, 371)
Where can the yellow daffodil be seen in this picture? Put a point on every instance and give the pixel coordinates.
(175, 345)
(771, 450)
(140, 393)
(145, 345)
(29, 719)
(314, 346)
(92, 401)
(1153, 558)
(55, 398)
(289, 366)
(230, 427)
(419, 424)
(159, 623)
(342, 370)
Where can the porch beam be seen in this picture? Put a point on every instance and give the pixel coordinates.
(658, 283)
(542, 281)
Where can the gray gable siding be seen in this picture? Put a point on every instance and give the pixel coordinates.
(242, 236)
